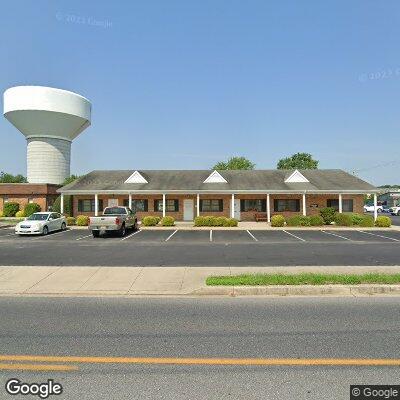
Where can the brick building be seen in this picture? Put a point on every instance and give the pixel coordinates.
(23, 193)
(185, 194)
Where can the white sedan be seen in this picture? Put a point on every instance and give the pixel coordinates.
(371, 208)
(41, 223)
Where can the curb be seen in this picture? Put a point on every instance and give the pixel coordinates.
(299, 290)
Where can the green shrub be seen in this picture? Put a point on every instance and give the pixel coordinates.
(150, 220)
(277, 220)
(343, 219)
(31, 208)
(316, 220)
(10, 209)
(219, 221)
(328, 215)
(71, 221)
(357, 218)
(383, 221)
(366, 221)
(209, 220)
(157, 218)
(230, 222)
(82, 220)
(20, 214)
(67, 205)
(199, 221)
(168, 221)
(298, 220)
(1, 214)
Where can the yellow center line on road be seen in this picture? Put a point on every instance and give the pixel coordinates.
(37, 367)
(383, 362)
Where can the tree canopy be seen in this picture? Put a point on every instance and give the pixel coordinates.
(70, 179)
(234, 163)
(298, 161)
(10, 178)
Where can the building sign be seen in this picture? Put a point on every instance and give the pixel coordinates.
(313, 205)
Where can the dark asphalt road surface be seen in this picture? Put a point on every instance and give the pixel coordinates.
(288, 328)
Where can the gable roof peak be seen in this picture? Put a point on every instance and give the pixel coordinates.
(136, 177)
(296, 177)
(215, 177)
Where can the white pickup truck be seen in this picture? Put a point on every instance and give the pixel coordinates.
(114, 219)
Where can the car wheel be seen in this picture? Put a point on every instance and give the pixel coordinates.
(135, 225)
(122, 231)
(63, 226)
(398, 213)
(379, 210)
(96, 234)
(45, 231)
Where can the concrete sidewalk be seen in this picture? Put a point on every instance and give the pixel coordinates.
(174, 281)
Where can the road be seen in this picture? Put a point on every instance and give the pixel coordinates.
(338, 328)
(204, 248)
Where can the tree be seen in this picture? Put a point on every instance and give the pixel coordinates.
(234, 163)
(298, 161)
(9, 178)
(70, 179)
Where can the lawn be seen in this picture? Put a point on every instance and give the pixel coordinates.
(302, 279)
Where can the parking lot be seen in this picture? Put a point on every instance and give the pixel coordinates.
(204, 247)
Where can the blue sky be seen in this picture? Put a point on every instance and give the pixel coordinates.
(183, 84)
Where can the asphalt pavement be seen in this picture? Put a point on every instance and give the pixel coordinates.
(300, 328)
(204, 248)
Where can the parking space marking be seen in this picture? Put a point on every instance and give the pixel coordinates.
(83, 237)
(291, 234)
(49, 235)
(170, 236)
(132, 234)
(375, 234)
(211, 239)
(254, 238)
(335, 234)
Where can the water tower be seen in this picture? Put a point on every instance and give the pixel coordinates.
(50, 119)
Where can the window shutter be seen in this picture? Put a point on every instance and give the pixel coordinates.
(176, 205)
(80, 205)
(145, 205)
(276, 205)
(101, 205)
(297, 205)
(156, 205)
(242, 205)
(201, 205)
(221, 205)
(263, 205)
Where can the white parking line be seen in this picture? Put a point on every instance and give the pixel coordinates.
(170, 236)
(291, 234)
(252, 235)
(49, 235)
(375, 234)
(335, 234)
(83, 237)
(132, 234)
(211, 239)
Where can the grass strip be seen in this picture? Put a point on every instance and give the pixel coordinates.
(302, 279)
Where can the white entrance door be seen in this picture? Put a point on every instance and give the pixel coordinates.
(237, 209)
(188, 209)
(112, 202)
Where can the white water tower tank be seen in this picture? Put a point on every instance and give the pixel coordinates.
(50, 119)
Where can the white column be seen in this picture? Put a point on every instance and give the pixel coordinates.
(62, 204)
(130, 201)
(268, 209)
(304, 205)
(375, 207)
(198, 205)
(233, 206)
(96, 204)
(163, 205)
(340, 203)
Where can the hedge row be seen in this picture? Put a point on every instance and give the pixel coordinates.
(153, 220)
(12, 209)
(215, 221)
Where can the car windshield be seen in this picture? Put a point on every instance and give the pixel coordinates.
(38, 217)
(114, 210)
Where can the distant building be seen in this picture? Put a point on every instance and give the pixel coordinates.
(390, 198)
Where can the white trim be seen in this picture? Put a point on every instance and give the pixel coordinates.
(268, 209)
(296, 177)
(164, 204)
(375, 207)
(215, 177)
(233, 206)
(304, 205)
(130, 201)
(62, 203)
(96, 205)
(136, 177)
(340, 203)
(198, 204)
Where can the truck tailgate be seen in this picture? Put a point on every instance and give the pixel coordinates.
(102, 222)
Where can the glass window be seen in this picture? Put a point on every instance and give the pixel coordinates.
(281, 205)
(114, 210)
(171, 205)
(211, 205)
(347, 204)
(138, 205)
(253, 205)
(87, 205)
(38, 217)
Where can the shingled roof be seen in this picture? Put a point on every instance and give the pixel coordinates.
(237, 181)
